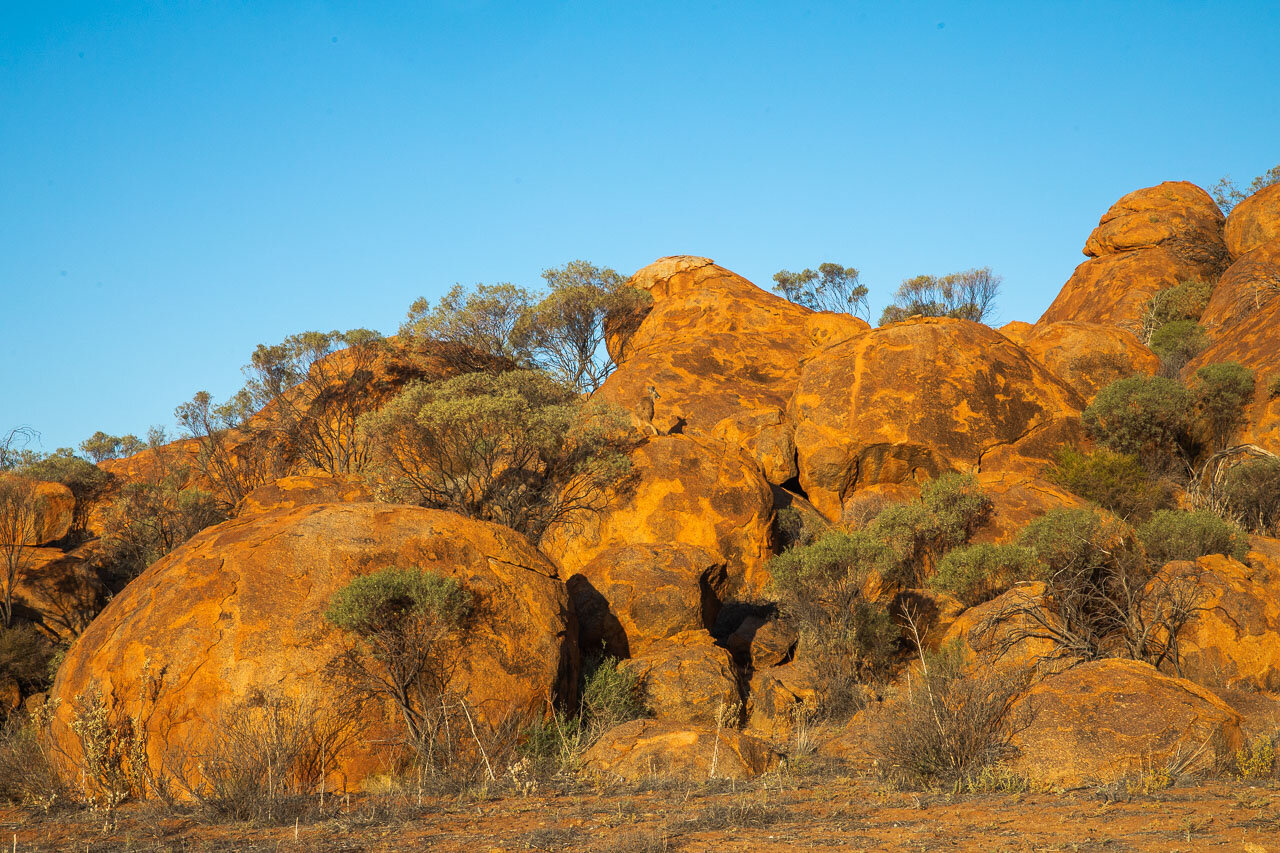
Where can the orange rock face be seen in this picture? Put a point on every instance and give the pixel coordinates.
(914, 399)
(687, 490)
(1115, 289)
(689, 679)
(1247, 285)
(722, 357)
(1254, 221)
(1254, 342)
(303, 490)
(1172, 212)
(1108, 719)
(239, 609)
(632, 597)
(1235, 640)
(653, 749)
(1019, 499)
(1017, 331)
(1089, 356)
(54, 510)
(998, 631)
(60, 592)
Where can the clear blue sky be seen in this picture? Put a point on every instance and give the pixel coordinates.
(182, 181)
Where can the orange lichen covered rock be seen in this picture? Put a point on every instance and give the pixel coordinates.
(1254, 342)
(632, 597)
(1234, 641)
(688, 678)
(304, 490)
(719, 357)
(1105, 720)
(238, 611)
(914, 399)
(1089, 356)
(1172, 212)
(53, 511)
(1254, 221)
(645, 749)
(1115, 289)
(1017, 331)
(780, 697)
(1006, 631)
(685, 489)
(1247, 285)
(59, 591)
(1017, 500)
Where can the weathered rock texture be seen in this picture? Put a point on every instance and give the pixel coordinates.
(689, 679)
(914, 399)
(239, 610)
(646, 749)
(1254, 221)
(60, 592)
(53, 513)
(721, 355)
(1247, 285)
(1089, 356)
(631, 597)
(682, 489)
(1151, 239)
(304, 490)
(1017, 500)
(1108, 719)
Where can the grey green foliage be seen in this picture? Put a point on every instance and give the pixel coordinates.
(1178, 342)
(968, 295)
(978, 573)
(386, 598)
(1177, 535)
(1143, 416)
(1251, 492)
(1115, 481)
(831, 287)
(1221, 393)
(1228, 194)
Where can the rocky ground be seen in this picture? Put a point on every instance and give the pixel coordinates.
(782, 813)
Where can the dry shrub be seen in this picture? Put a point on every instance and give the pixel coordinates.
(950, 725)
(27, 774)
(268, 754)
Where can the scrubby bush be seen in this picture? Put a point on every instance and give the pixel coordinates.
(950, 724)
(516, 448)
(1221, 393)
(831, 288)
(27, 774)
(100, 446)
(978, 573)
(1251, 493)
(968, 295)
(407, 624)
(950, 509)
(1228, 194)
(87, 482)
(1114, 481)
(1184, 301)
(1146, 417)
(1178, 342)
(25, 655)
(1177, 535)
(608, 697)
(829, 590)
(792, 526)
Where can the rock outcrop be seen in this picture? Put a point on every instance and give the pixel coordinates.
(238, 611)
(53, 509)
(632, 597)
(1149, 240)
(914, 399)
(689, 679)
(1110, 719)
(304, 490)
(1089, 356)
(59, 591)
(682, 488)
(653, 749)
(719, 357)
(1017, 500)
(1249, 284)
(1254, 221)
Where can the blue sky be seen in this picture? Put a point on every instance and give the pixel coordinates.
(182, 181)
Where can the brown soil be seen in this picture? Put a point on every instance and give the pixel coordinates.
(782, 813)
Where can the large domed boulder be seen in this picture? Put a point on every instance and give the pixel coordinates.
(914, 399)
(632, 597)
(1233, 641)
(237, 612)
(657, 749)
(1115, 289)
(681, 489)
(1089, 356)
(1247, 285)
(1254, 221)
(304, 490)
(718, 357)
(1104, 720)
(1174, 212)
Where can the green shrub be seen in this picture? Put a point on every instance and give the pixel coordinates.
(1144, 416)
(609, 696)
(1185, 301)
(978, 573)
(793, 526)
(373, 602)
(1177, 535)
(950, 509)
(1221, 393)
(1114, 481)
(1178, 342)
(1070, 540)
(824, 589)
(1251, 492)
